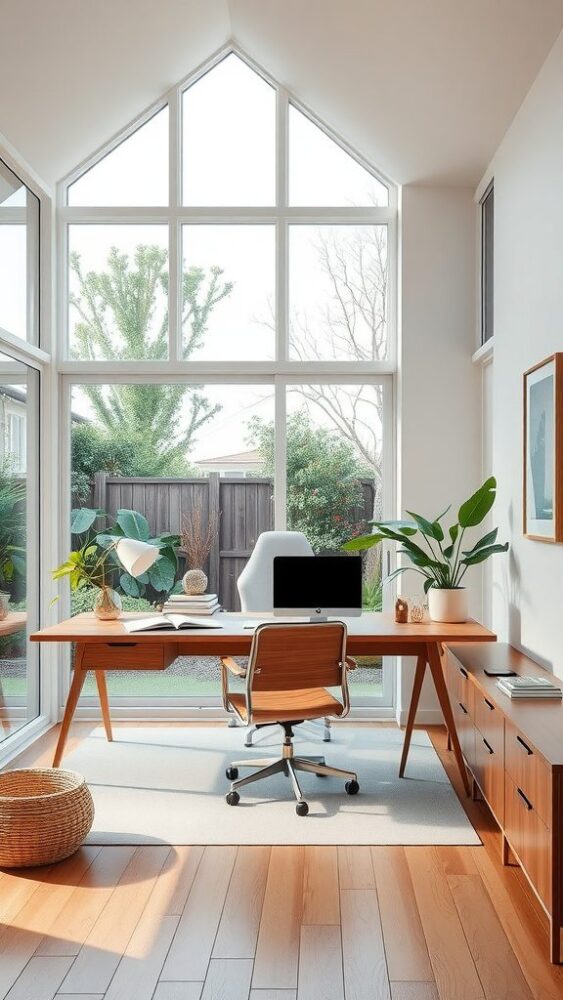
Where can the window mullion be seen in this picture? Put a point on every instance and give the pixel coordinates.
(174, 227)
(282, 166)
(280, 455)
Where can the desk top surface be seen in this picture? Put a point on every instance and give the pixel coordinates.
(379, 627)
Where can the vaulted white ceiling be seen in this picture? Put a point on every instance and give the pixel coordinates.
(425, 89)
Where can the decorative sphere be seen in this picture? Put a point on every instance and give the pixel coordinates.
(194, 582)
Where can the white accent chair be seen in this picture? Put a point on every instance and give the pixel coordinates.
(256, 583)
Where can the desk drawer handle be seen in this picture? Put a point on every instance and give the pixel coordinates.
(524, 746)
(463, 708)
(488, 746)
(463, 672)
(489, 705)
(524, 799)
(121, 645)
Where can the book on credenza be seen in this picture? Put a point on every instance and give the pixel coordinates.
(161, 622)
(529, 687)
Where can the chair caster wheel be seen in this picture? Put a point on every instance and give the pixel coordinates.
(232, 773)
(352, 787)
(301, 808)
(233, 798)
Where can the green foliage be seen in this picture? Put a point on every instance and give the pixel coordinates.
(82, 601)
(372, 593)
(12, 531)
(443, 567)
(94, 563)
(118, 310)
(323, 472)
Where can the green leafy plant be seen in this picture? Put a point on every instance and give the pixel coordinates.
(12, 529)
(94, 562)
(444, 561)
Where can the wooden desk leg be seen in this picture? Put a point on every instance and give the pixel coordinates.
(415, 696)
(78, 678)
(435, 664)
(104, 702)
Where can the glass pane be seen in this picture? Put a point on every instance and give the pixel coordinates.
(334, 483)
(174, 453)
(19, 660)
(19, 257)
(229, 282)
(118, 292)
(229, 122)
(338, 291)
(134, 173)
(488, 266)
(321, 173)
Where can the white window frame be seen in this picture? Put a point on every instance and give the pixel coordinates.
(278, 372)
(42, 447)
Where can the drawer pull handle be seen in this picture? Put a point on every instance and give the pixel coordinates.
(463, 708)
(463, 672)
(488, 746)
(489, 705)
(524, 799)
(524, 746)
(122, 645)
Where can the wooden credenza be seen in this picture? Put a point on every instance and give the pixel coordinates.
(514, 751)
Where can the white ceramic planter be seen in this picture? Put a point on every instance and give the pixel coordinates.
(448, 605)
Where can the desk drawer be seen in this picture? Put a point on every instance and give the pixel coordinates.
(128, 656)
(528, 771)
(530, 838)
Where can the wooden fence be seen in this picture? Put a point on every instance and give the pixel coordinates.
(245, 508)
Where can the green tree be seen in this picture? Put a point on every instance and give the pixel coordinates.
(323, 473)
(123, 315)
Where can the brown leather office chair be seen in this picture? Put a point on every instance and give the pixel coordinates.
(289, 670)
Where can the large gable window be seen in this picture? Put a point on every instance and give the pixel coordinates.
(230, 327)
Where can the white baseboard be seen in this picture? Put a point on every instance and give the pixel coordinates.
(424, 717)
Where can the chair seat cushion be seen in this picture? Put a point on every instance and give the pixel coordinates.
(285, 706)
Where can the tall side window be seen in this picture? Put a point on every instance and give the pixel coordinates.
(19, 258)
(488, 264)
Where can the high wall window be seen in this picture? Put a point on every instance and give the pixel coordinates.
(229, 324)
(487, 206)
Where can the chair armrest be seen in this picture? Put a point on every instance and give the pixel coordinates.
(233, 667)
(351, 663)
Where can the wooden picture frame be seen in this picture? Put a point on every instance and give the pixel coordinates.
(543, 450)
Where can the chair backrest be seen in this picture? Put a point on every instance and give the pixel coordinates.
(292, 657)
(256, 582)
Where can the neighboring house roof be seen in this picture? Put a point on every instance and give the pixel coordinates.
(20, 396)
(249, 459)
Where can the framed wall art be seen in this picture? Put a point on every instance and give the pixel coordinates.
(543, 444)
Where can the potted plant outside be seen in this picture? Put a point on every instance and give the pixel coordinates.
(443, 560)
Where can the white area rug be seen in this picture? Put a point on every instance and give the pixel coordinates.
(157, 784)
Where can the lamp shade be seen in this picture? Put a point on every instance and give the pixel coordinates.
(136, 556)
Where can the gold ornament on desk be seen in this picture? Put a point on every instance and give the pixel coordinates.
(401, 610)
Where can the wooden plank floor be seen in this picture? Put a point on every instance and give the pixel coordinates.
(280, 923)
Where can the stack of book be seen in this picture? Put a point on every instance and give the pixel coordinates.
(192, 604)
(529, 687)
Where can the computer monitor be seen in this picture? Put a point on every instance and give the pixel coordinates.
(318, 586)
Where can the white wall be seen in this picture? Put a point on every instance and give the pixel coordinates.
(439, 405)
(528, 173)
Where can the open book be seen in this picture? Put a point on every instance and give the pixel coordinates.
(167, 622)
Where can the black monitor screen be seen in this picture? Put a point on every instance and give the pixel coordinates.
(317, 582)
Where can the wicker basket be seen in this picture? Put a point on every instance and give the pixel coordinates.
(45, 814)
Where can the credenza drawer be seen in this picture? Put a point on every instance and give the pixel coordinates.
(489, 774)
(463, 689)
(128, 656)
(490, 722)
(465, 731)
(529, 838)
(528, 771)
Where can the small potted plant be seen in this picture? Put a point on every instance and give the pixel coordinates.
(443, 561)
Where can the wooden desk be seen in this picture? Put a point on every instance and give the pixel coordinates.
(105, 646)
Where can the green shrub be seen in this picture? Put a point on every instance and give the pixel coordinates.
(83, 600)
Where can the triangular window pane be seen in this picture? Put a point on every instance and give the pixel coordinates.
(321, 173)
(229, 135)
(134, 173)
